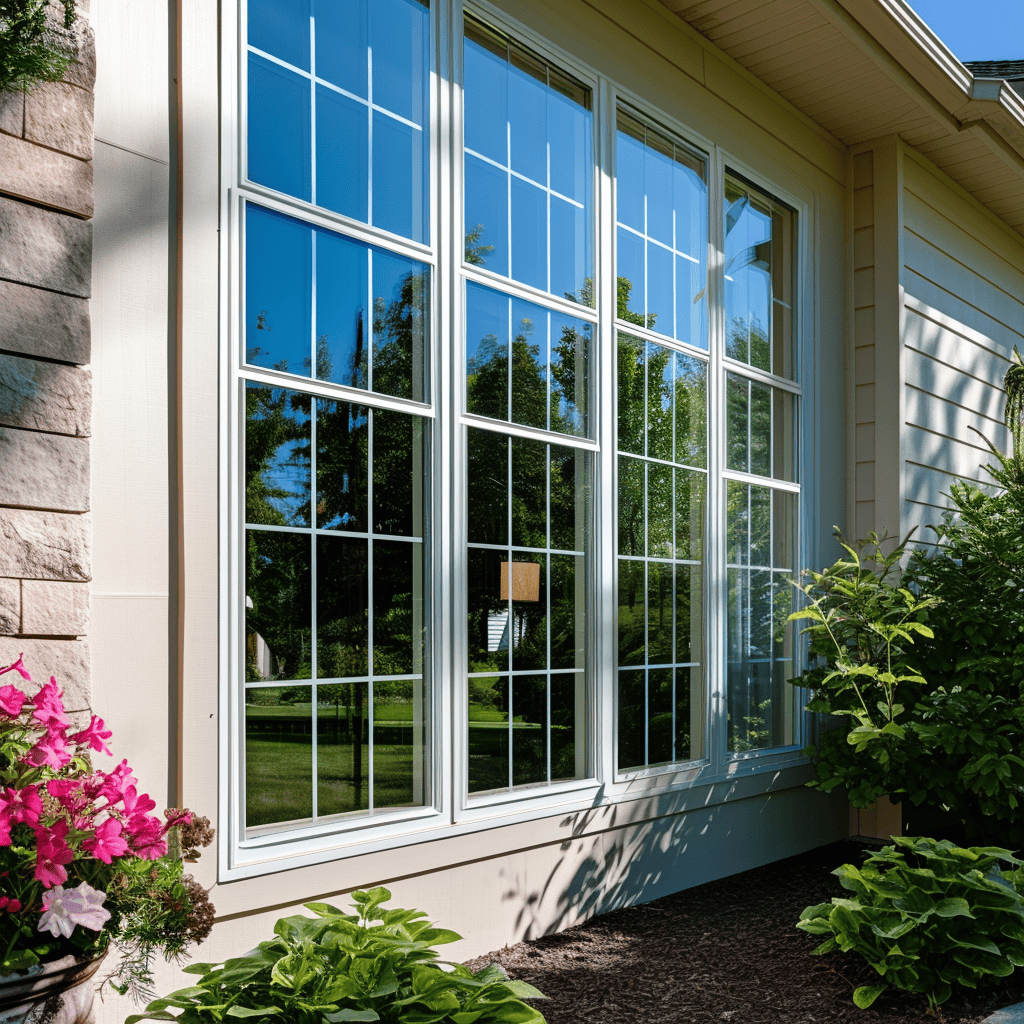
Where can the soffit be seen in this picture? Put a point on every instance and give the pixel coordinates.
(866, 69)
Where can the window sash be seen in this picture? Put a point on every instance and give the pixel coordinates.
(449, 808)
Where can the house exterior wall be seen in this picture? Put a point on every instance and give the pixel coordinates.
(46, 206)
(963, 282)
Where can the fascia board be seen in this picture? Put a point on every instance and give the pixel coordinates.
(932, 74)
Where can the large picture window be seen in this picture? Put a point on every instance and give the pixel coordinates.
(431, 616)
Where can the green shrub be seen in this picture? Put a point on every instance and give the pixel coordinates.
(925, 923)
(30, 49)
(342, 967)
(863, 624)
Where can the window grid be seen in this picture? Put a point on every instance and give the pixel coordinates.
(511, 288)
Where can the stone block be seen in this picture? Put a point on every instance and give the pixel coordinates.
(37, 395)
(59, 116)
(12, 112)
(54, 609)
(66, 660)
(45, 545)
(47, 471)
(44, 323)
(10, 606)
(83, 72)
(56, 180)
(44, 248)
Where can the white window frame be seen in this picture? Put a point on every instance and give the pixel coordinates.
(452, 811)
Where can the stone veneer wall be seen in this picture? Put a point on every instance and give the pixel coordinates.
(46, 204)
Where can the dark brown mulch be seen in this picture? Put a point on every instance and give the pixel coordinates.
(724, 951)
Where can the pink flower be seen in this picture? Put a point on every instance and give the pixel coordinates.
(116, 782)
(21, 806)
(49, 707)
(94, 735)
(137, 803)
(19, 668)
(146, 836)
(69, 794)
(11, 700)
(52, 853)
(12, 906)
(106, 842)
(50, 749)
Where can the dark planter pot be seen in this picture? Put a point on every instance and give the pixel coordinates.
(60, 992)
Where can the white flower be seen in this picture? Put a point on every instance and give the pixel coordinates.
(67, 907)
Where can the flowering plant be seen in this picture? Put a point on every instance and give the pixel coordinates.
(83, 861)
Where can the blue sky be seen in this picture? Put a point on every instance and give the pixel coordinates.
(980, 30)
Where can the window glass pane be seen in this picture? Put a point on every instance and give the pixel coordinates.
(661, 509)
(488, 496)
(279, 128)
(662, 212)
(530, 730)
(488, 734)
(279, 302)
(343, 749)
(400, 45)
(360, 149)
(545, 169)
(485, 115)
(401, 322)
(278, 605)
(526, 608)
(550, 354)
(760, 428)
(342, 297)
(760, 641)
(397, 607)
(342, 607)
(759, 265)
(399, 723)
(529, 234)
(278, 755)
(277, 450)
(400, 177)
(342, 456)
(278, 284)
(341, 154)
(486, 215)
(281, 28)
(341, 47)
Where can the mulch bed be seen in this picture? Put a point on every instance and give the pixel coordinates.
(724, 951)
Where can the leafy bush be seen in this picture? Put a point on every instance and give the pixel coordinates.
(341, 967)
(928, 922)
(31, 50)
(863, 623)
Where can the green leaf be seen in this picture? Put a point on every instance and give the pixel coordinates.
(243, 1011)
(438, 936)
(954, 906)
(351, 1015)
(865, 995)
(523, 989)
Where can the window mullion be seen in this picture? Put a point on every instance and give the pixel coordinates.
(715, 577)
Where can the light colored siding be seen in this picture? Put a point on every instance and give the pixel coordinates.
(864, 343)
(963, 282)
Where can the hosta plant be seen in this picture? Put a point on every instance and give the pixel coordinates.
(374, 965)
(927, 915)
